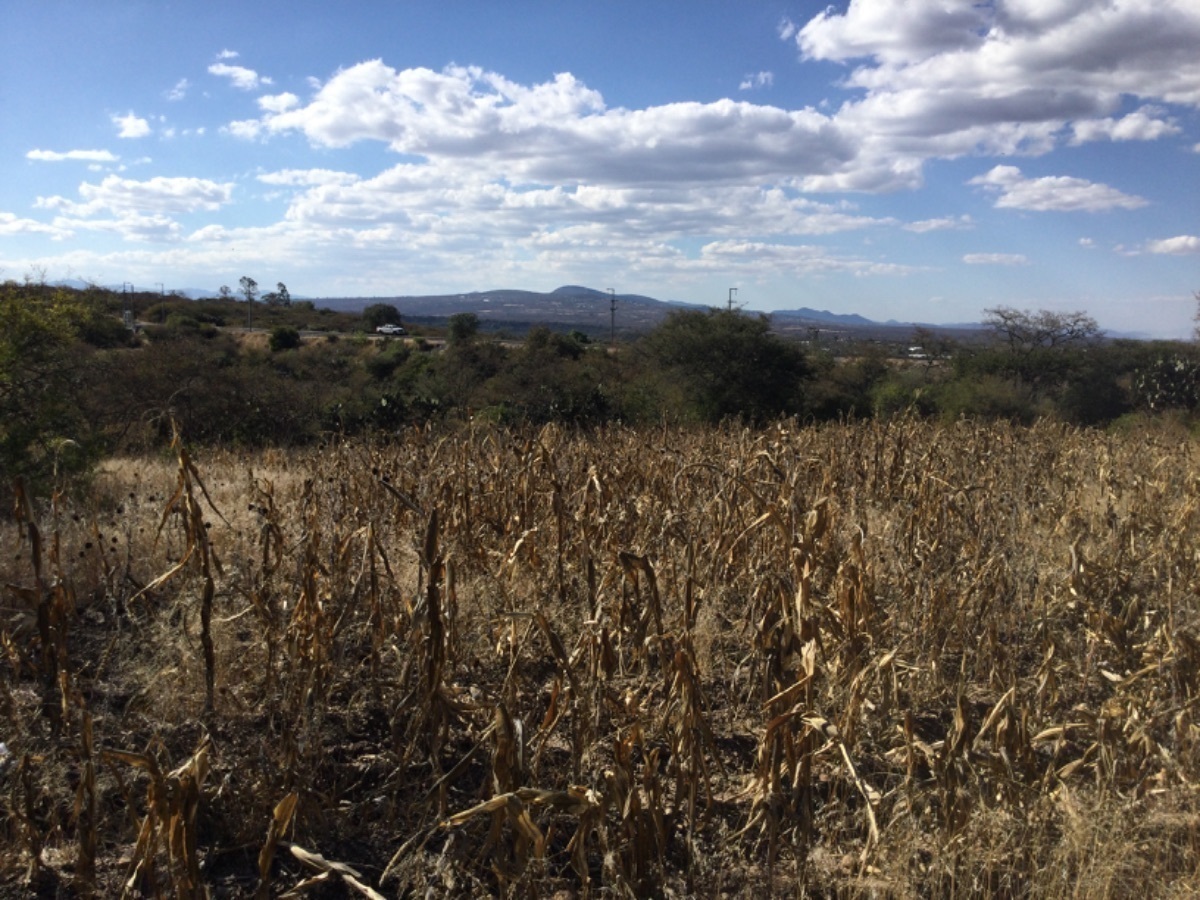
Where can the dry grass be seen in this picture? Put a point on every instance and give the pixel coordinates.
(869, 660)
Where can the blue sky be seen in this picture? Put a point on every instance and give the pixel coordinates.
(918, 160)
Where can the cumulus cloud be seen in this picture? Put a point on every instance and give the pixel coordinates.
(894, 31)
(947, 78)
(925, 80)
(996, 259)
(1182, 245)
(239, 76)
(1052, 193)
(129, 226)
(278, 103)
(154, 196)
(95, 156)
(1146, 124)
(11, 224)
(179, 91)
(131, 126)
(559, 131)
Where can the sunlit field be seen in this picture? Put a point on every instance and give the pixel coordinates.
(881, 659)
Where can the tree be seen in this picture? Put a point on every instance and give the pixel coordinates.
(249, 288)
(462, 328)
(1038, 363)
(1024, 331)
(380, 314)
(42, 432)
(278, 297)
(225, 292)
(726, 364)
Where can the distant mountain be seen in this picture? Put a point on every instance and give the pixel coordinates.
(824, 316)
(571, 305)
(191, 293)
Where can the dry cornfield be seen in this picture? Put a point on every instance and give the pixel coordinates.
(878, 659)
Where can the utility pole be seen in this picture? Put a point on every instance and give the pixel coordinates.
(612, 318)
(732, 291)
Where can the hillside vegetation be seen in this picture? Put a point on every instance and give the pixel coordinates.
(75, 384)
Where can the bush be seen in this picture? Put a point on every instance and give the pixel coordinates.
(728, 365)
(986, 397)
(284, 337)
(43, 434)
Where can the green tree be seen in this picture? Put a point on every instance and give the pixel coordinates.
(380, 314)
(42, 370)
(725, 364)
(550, 378)
(249, 288)
(1038, 363)
(462, 328)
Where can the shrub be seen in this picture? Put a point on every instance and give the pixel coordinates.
(728, 365)
(284, 337)
(43, 434)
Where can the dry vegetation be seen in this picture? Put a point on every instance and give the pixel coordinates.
(869, 660)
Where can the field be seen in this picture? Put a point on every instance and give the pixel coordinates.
(881, 659)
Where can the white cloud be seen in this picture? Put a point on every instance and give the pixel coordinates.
(1182, 245)
(928, 79)
(180, 90)
(239, 76)
(558, 132)
(155, 196)
(757, 80)
(131, 126)
(756, 258)
(97, 156)
(1052, 193)
(948, 223)
(1145, 124)
(1087, 243)
(947, 78)
(228, 54)
(11, 224)
(278, 103)
(129, 226)
(895, 31)
(996, 259)
(244, 129)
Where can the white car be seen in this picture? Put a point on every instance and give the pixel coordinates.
(390, 329)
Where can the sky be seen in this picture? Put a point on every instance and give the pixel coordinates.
(915, 160)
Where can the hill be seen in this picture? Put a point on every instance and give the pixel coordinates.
(577, 306)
